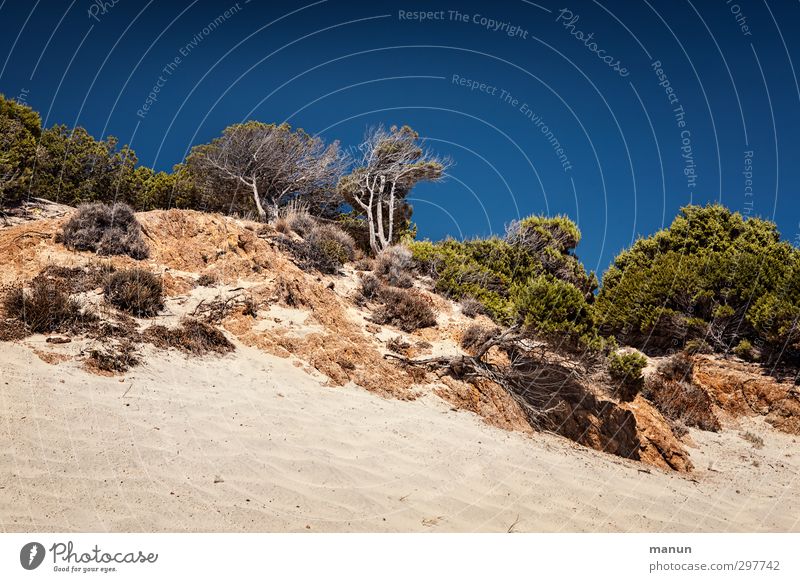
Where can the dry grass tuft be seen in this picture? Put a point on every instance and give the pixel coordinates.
(191, 336)
(135, 291)
(118, 357)
(753, 439)
(294, 217)
(44, 306)
(471, 307)
(394, 266)
(404, 309)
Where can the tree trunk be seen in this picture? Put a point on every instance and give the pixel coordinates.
(382, 238)
(391, 212)
(373, 239)
(262, 214)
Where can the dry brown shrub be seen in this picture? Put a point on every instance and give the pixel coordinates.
(681, 401)
(678, 367)
(364, 264)
(207, 280)
(394, 265)
(404, 309)
(191, 336)
(136, 291)
(79, 279)
(471, 307)
(44, 306)
(370, 286)
(476, 335)
(106, 230)
(116, 358)
(398, 345)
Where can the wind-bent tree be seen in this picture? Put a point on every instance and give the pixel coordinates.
(272, 162)
(391, 163)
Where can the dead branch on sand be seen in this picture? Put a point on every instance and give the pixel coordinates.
(534, 377)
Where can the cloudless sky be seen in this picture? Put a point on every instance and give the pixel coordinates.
(630, 158)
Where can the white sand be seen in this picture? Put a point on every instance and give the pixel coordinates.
(78, 454)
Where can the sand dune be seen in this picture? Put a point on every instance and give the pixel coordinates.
(251, 442)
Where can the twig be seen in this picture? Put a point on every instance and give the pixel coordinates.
(513, 525)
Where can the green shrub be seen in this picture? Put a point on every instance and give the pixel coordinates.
(74, 167)
(550, 306)
(712, 276)
(626, 368)
(698, 346)
(136, 291)
(530, 275)
(745, 350)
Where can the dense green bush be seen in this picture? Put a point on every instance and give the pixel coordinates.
(530, 276)
(626, 368)
(20, 129)
(551, 306)
(73, 167)
(745, 350)
(713, 277)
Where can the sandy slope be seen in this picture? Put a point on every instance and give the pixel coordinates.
(86, 453)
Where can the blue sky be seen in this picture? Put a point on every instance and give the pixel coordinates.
(615, 113)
